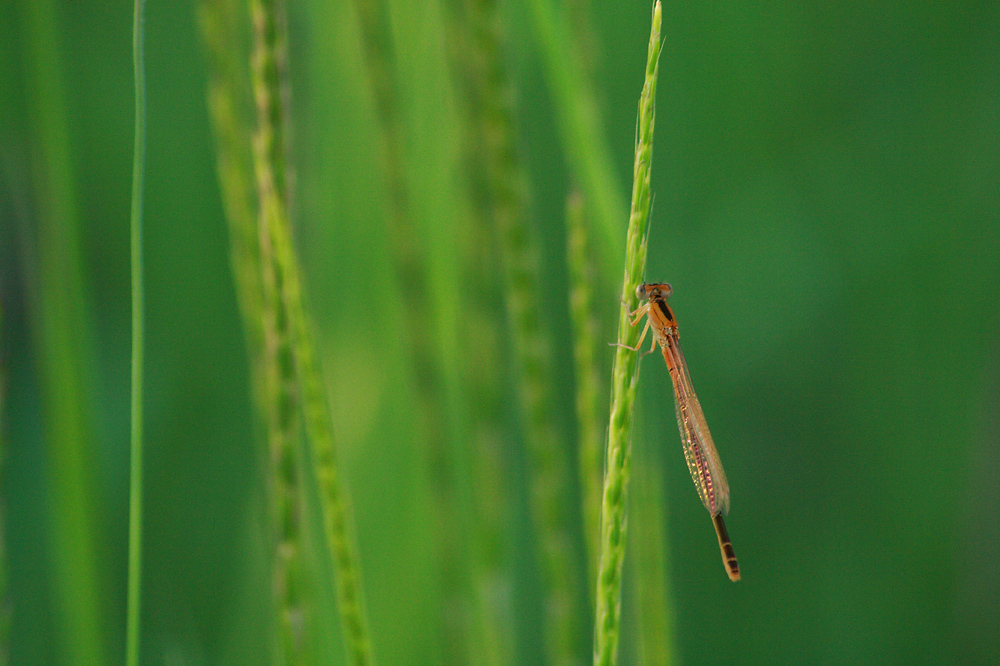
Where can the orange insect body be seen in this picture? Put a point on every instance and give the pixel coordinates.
(699, 449)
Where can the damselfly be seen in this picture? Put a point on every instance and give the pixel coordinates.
(699, 451)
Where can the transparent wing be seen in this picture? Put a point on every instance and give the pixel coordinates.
(699, 450)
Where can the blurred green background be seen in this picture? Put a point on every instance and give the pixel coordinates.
(827, 208)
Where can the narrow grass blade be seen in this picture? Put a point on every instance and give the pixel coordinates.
(414, 265)
(580, 128)
(295, 373)
(134, 617)
(279, 354)
(4, 568)
(224, 28)
(624, 378)
(61, 335)
(499, 192)
(550, 469)
(337, 519)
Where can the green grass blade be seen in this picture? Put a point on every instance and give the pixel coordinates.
(285, 488)
(4, 566)
(133, 617)
(337, 520)
(493, 115)
(580, 129)
(624, 378)
(61, 333)
(224, 29)
(431, 353)
(297, 368)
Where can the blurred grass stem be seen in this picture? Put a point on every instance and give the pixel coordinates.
(438, 421)
(224, 31)
(61, 331)
(590, 435)
(279, 365)
(580, 128)
(133, 617)
(293, 370)
(550, 467)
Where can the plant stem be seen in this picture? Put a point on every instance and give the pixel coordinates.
(294, 364)
(279, 364)
(133, 621)
(625, 377)
(550, 467)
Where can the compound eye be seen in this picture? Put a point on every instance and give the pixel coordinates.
(658, 290)
(640, 291)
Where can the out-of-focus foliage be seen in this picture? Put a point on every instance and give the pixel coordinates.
(827, 207)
